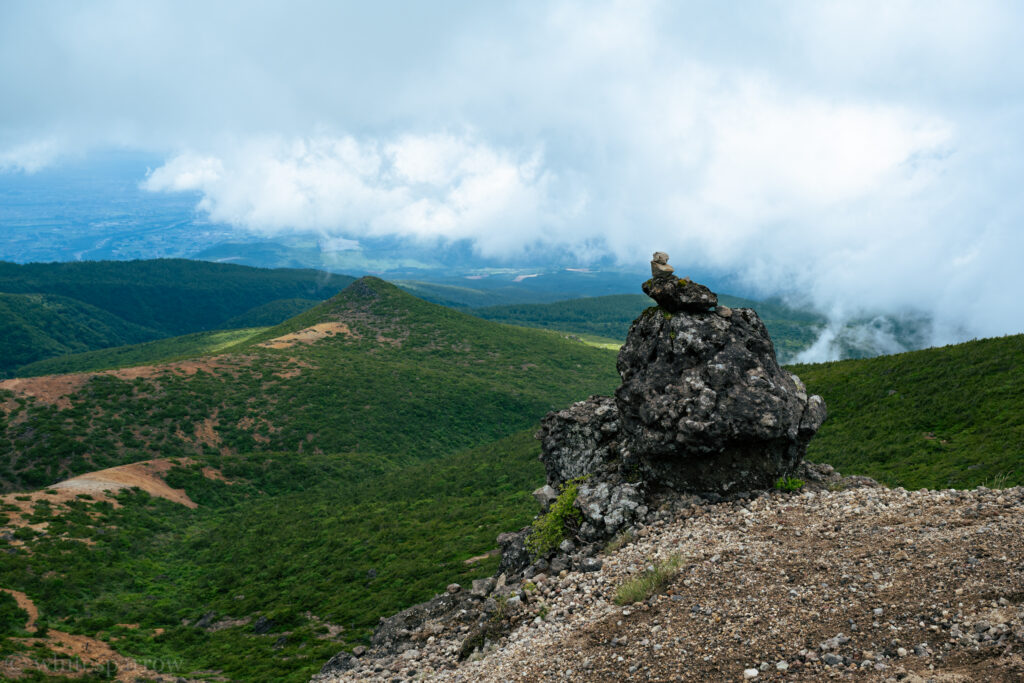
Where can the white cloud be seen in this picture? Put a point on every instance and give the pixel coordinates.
(422, 187)
(861, 156)
(184, 173)
(29, 157)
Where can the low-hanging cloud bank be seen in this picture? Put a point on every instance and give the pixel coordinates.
(863, 158)
(437, 187)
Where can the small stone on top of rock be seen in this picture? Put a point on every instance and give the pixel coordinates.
(660, 267)
(676, 295)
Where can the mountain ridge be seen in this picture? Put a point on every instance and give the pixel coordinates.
(461, 378)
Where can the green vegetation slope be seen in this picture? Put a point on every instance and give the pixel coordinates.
(159, 351)
(371, 370)
(373, 445)
(34, 326)
(271, 313)
(317, 546)
(937, 418)
(172, 296)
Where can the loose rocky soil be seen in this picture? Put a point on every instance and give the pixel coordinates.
(869, 584)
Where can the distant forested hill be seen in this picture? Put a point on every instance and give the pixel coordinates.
(172, 296)
(50, 310)
(34, 326)
(937, 418)
(162, 350)
(271, 313)
(340, 377)
(373, 445)
(610, 316)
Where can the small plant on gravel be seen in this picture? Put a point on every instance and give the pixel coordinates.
(492, 629)
(789, 484)
(654, 580)
(549, 529)
(1000, 481)
(620, 540)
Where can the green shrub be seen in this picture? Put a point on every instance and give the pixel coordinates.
(621, 539)
(549, 529)
(12, 617)
(652, 581)
(789, 484)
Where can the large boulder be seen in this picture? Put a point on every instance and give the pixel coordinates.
(704, 405)
(580, 439)
(514, 555)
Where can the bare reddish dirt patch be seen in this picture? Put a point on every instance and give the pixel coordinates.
(206, 431)
(57, 389)
(308, 335)
(53, 389)
(144, 475)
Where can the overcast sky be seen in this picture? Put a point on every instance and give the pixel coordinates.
(867, 155)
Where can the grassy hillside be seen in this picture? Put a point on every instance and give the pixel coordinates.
(172, 296)
(159, 351)
(35, 326)
(937, 418)
(611, 316)
(311, 542)
(388, 373)
(271, 313)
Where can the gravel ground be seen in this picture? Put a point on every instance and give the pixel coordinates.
(866, 584)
